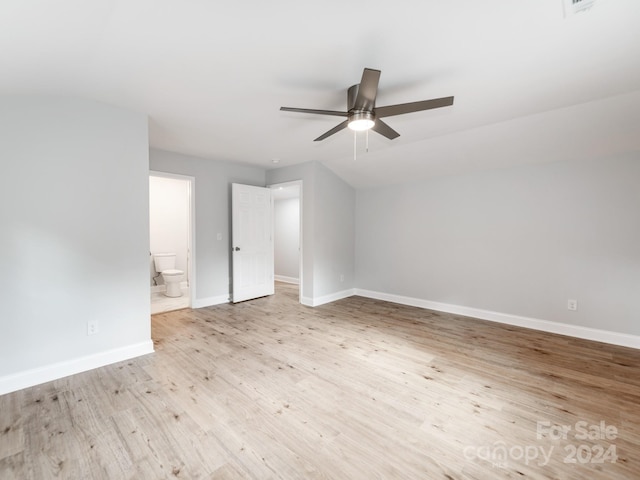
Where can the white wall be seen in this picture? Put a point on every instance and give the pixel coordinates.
(334, 253)
(306, 173)
(328, 216)
(286, 220)
(168, 221)
(213, 179)
(328, 205)
(520, 241)
(74, 241)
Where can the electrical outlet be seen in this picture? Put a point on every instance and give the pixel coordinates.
(572, 304)
(92, 327)
(342, 277)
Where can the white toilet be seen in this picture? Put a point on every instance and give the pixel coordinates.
(166, 265)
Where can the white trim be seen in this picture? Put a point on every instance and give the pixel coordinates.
(301, 240)
(191, 242)
(587, 333)
(307, 301)
(162, 288)
(210, 301)
(282, 278)
(332, 297)
(301, 298)
(36, 376)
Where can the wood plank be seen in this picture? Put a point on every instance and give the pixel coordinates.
(360, 388)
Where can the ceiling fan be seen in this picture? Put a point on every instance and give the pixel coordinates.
(362, 113)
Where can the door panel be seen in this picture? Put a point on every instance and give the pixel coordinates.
(252, 240)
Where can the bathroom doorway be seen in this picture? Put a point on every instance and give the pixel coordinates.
(171, 231)
(287, 228)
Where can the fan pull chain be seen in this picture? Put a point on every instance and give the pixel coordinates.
(355, 144)
(367, 142)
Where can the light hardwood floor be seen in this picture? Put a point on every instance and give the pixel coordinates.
(357, 389)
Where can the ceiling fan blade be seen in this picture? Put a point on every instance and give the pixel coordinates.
(402, 108)
(311, 110)
(335, 129)
(385, 130)
(368, 90)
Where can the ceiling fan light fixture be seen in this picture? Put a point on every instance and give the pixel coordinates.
(362, 113)
(361, 121)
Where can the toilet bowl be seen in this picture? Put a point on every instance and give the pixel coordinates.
(165, 264)
(172, 279)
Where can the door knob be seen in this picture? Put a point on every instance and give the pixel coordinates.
(237, 249)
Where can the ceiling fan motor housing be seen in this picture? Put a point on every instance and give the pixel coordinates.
(361, 120)
(358, 119)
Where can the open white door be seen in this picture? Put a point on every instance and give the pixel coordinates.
(252, 242)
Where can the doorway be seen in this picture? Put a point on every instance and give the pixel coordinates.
(171, 231)
(287, 220)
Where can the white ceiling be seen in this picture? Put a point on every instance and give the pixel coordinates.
(529, 84)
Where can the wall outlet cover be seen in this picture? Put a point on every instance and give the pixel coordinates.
(92, 327)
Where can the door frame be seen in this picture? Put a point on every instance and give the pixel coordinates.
(191, 231)
(300, 237)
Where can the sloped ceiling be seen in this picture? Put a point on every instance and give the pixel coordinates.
(530, 85)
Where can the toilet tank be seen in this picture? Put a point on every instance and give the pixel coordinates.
(164, 261)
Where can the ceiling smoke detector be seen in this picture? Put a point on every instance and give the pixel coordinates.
(571, 7)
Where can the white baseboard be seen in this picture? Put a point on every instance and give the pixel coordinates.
(36, 376)
(307, 301)
(282, 278)
(161, 288)
(587, 333)
(332, 297)
(210, 301)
